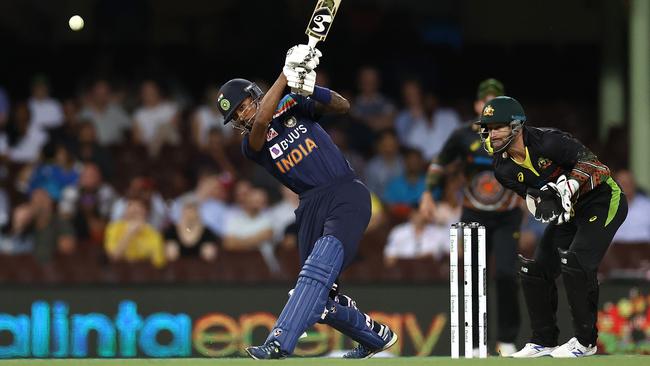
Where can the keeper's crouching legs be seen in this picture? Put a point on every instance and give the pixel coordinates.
(581, 287)
(540, 293)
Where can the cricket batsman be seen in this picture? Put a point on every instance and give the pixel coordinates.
(488, 202)
(283, 136)
(564, 184)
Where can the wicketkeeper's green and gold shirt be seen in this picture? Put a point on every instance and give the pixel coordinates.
(549, 154)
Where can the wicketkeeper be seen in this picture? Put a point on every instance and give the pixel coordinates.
(566, 185)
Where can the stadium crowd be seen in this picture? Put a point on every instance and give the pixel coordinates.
(138, 183)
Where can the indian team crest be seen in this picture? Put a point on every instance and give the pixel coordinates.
(290, 122)
(223, 102)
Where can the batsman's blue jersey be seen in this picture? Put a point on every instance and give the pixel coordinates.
(297, 151)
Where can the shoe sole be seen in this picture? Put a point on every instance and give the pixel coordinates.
(591, 353)
(388, 345)
(536, 355)
(250, 354)
(256, 358)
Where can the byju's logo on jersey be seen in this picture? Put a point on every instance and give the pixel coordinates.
(293, 137)
(275, 151)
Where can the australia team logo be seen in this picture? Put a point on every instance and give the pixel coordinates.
(543, 163)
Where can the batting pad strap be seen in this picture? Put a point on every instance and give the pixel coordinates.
(308, 301)
(343, 315)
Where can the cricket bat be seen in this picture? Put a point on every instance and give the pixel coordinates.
(321, 21)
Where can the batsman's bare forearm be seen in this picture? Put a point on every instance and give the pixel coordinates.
(265, 114)
(338, 105)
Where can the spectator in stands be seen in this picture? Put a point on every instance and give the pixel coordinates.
(530, 233)
(240, 192)
(210, 196)
(636, 227)
(340, 138)
(25, 140)
(189, 238)
(212, 155)
(66, 132)
(252, 227)
(414, 112)
(4, 121)
(132, 239)
(4, 124)
(35, 225)
(88, 150)
(58, 171)
(46, 112)
(430, 133)
(415, 239)
(207, 118)
(108, 117)
(386, 164)
(88, 204)
(370, 106)
(4, 106)
(290, 237)
(377, 214)
(17, 240)
(282, 213)
(145, 188)
(5, 209)
(156, 120)
(407, 188)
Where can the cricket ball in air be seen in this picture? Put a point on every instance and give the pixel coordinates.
(76, 23)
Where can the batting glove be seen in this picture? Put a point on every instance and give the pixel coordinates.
(300, 80)
(303, 56)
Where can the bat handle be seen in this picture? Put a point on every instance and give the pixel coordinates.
(312, 41)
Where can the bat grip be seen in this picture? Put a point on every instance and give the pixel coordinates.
(312, 41)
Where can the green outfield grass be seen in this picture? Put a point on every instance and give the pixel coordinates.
(400, 361)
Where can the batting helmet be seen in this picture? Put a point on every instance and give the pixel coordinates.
(233, 93)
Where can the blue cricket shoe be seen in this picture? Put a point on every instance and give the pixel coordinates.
(361, 352)
(268, 351)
